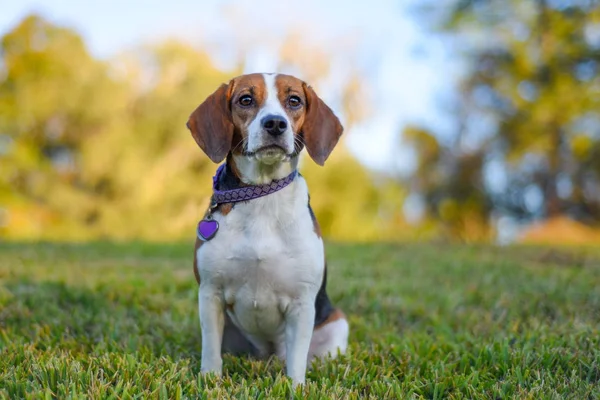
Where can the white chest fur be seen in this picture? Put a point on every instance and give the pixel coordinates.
(264, 256)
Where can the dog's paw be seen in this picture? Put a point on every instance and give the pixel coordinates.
(214, 370)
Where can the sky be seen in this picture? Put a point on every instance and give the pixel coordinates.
(405, 67)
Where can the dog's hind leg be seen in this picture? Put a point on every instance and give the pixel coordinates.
(330, 336)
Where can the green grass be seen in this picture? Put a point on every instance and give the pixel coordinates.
(427, 321)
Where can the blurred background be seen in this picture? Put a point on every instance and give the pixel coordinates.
(466, 120)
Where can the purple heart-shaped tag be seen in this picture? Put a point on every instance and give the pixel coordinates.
(207, 229)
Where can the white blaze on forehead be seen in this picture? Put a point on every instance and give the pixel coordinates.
(272, 105)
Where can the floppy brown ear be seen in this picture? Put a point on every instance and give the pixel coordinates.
(321, 129)
(211, 124)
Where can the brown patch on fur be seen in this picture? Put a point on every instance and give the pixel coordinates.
(334, 316)
(196, 247)
(321, 129)
(288, 86)
(211, 124)
(226, 208)
(316, 226)
(242, 117)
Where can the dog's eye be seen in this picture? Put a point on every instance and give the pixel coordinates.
(294, 102)
(245, 100)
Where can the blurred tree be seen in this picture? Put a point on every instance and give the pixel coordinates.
(354, 204)
(154, 173)
(89, 151)
(528, 139)
(448, 181)
(53, 97)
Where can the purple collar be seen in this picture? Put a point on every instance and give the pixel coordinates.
(247, 192)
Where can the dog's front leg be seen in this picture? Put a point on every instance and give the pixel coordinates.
(300, 320)
(212, 320)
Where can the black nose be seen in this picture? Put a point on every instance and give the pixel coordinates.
(274, 124)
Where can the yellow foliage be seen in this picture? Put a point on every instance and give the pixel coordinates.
(101, 150)
(561, 231)
(582, 146)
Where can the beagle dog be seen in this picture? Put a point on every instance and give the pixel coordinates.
(259, 257)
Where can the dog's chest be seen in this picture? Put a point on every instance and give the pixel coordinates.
(265, 254)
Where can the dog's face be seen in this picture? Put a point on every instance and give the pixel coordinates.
(268, 111)
(269, 117)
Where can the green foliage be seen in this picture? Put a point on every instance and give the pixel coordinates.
(103, 320)
(528, 103)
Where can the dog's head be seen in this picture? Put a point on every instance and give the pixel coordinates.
(269, 117)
